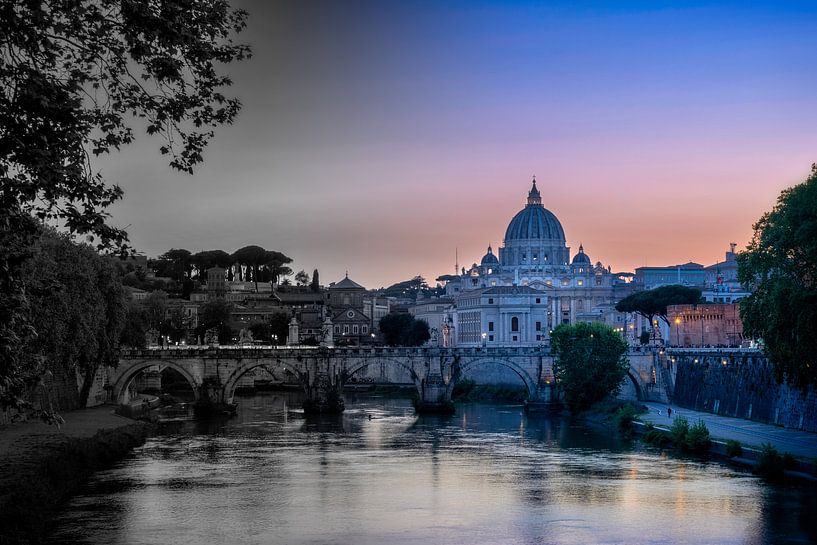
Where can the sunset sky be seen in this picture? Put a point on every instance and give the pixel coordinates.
(378, 136)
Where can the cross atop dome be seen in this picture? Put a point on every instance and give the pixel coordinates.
(534, 198)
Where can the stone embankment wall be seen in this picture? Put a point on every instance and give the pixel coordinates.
(41, 469)
(743, 388)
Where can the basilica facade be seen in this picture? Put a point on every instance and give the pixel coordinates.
(531, 285)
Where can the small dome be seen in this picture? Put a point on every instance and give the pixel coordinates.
(581, 257)
(489, 258)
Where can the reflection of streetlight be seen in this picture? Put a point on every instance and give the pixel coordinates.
(484, 336)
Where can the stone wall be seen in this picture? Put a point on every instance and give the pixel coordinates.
(742, 387)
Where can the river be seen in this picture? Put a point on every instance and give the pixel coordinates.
(381, 475)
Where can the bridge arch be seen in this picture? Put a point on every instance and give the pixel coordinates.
(249, 365)
(639, 391)
(124, 379)
(359, 365)
(530, 383)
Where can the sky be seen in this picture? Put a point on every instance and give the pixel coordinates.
(381, 137)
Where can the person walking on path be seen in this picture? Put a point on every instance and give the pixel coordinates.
(669, 412)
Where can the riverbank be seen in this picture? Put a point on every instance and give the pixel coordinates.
(748, 435)
(42, 465)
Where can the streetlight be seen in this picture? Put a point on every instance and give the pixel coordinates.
(484, 336)
(274, 339)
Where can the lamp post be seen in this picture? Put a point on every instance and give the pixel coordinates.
(484, 336)
(274, 339)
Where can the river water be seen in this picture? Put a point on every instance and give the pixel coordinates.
(381, 475)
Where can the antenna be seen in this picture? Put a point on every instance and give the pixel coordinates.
(456, 260)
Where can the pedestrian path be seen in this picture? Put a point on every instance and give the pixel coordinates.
(753, 434)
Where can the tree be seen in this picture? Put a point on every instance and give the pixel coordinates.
(401, 329)
(176, 263)
(589, 363)
(216, 314)
(135, 327)
(654, 302)
(301, 278)
(74, 76)
(156, 309)
(253, 257)
(208, 259)
(779, 267)
(316, 283)
(78, 304)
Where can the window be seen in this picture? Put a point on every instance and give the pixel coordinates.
(515, 338)
(538, 337)
(580, 282)
(490, 337)
(364, 329)
(538, 326)
(355, 329)
(490, 326)
(490, 300)
(538, 300)
(346, 329)
(337, 329)
(535, 257)
(514, 324)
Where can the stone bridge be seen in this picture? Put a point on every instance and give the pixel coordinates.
(214, 372)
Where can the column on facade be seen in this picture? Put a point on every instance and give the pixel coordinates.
(572, 310)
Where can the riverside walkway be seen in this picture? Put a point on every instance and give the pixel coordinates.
(801, 444)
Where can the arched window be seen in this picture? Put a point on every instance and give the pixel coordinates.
(514, 324)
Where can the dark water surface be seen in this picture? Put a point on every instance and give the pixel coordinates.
(486, 475)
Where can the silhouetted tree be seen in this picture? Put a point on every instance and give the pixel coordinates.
(654, 302)
(399, 329)
(779, 267)
(301, 278)
(316, 283)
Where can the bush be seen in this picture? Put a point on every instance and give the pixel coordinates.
(624, 419)
(658, 438)
(769, 463)
(679, 430)
(733, 448)
(697, 439)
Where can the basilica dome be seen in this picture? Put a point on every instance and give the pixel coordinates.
(581, 258)
(535, 222)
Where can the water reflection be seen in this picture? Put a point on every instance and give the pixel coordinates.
(380, 474)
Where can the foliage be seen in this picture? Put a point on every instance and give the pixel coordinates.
(692, 439)
(733, 448)
(261, 331)
(697, 439)
(467, 390)
(175, 263)
(155, 309)
(779, 267)
(624, 419)
(769, 463)
(658, 438)
(209, 259)
(215, 314)
(135, 327)
(401, 329)
(589, 363)
(679, 430)
(279, 325)
(315, 285)
(654, 302)
(644, 338)
(301, 278)
(78, 304)
(74, 76)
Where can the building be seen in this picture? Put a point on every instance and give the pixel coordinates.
(705, 325)
(355, 313)
(690, 274)
(518, 295)
(722, 285)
